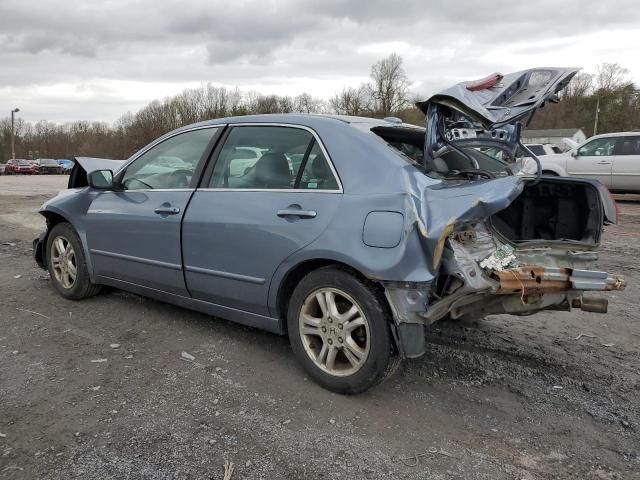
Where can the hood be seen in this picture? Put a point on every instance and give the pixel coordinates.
(90, 164)
(570, 143)
(84, 165)
(490, 112)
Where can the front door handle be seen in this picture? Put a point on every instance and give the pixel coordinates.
(164, 210)
(604, 162)
(293, 212)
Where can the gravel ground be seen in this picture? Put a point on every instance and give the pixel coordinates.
(99, 389)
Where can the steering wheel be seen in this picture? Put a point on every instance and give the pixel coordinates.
(180, 178)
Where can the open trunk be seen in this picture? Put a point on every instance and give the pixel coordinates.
(552, 210)
(515, 245)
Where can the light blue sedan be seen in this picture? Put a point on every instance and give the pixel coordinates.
(351, 235)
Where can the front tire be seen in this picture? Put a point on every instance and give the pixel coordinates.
(67, 264)
(339, 329)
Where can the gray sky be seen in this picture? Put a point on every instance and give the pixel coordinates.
(65, 60)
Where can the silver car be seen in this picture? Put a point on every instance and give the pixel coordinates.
(350, 235)
(612, 158)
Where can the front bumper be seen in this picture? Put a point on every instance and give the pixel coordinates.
(39, 250)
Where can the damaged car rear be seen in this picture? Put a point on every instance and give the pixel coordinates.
(350, 235)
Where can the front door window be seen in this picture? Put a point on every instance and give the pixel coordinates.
(169, 165)
(598, 147)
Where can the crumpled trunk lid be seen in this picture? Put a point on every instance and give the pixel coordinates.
(489, 112)
(501, 99)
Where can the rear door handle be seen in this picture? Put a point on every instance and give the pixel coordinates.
(293, 212)
(167, 210)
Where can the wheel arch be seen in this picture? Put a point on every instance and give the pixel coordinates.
(55, 217)
(554, 169)
(293, 276)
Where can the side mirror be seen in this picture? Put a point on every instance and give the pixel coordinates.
(100, 179)
(574, 153)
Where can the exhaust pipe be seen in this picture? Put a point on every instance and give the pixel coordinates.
(588, 304)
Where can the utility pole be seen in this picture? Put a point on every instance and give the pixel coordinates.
(595, 124)
(13, 145)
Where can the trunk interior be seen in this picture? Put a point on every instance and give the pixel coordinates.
(554, 209)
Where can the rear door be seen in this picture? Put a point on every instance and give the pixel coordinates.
(250, 215)
(133, 233)
(593, 160)
(626, 164)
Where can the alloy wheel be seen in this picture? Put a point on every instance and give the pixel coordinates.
(335, 332)
(63, 262)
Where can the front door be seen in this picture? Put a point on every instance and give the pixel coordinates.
(593, 160)
(252, 214)
(133, 232)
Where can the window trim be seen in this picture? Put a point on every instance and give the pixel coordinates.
(200, 167)
(206, 178)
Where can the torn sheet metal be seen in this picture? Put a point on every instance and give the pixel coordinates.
(508, 99)
(444, 207)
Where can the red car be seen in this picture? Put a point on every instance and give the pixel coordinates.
(21, 166)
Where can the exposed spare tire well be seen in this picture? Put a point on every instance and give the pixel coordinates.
(553, 209)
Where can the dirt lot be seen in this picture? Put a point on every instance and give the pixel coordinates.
(506, 398)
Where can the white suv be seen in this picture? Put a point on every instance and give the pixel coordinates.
(612, 158)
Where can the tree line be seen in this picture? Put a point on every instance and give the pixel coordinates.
(387, 93)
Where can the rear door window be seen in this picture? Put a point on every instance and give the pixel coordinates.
(628, 146)
(272, 158)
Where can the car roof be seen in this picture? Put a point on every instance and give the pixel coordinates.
(303, 119)
(615, 134)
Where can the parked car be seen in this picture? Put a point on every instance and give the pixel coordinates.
(383, 228)
(611, 158)
(48, 166)
(2, 168)
(21, 166)
(66, 165)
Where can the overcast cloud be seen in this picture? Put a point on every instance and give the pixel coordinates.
(62, 60)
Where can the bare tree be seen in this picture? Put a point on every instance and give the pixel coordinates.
(611, 76)
(305, 103)
(580, 85)
(352, 101)
(390, 86)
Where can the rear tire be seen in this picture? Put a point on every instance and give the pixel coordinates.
(67, 264)
(549, 173)
(339, 329)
